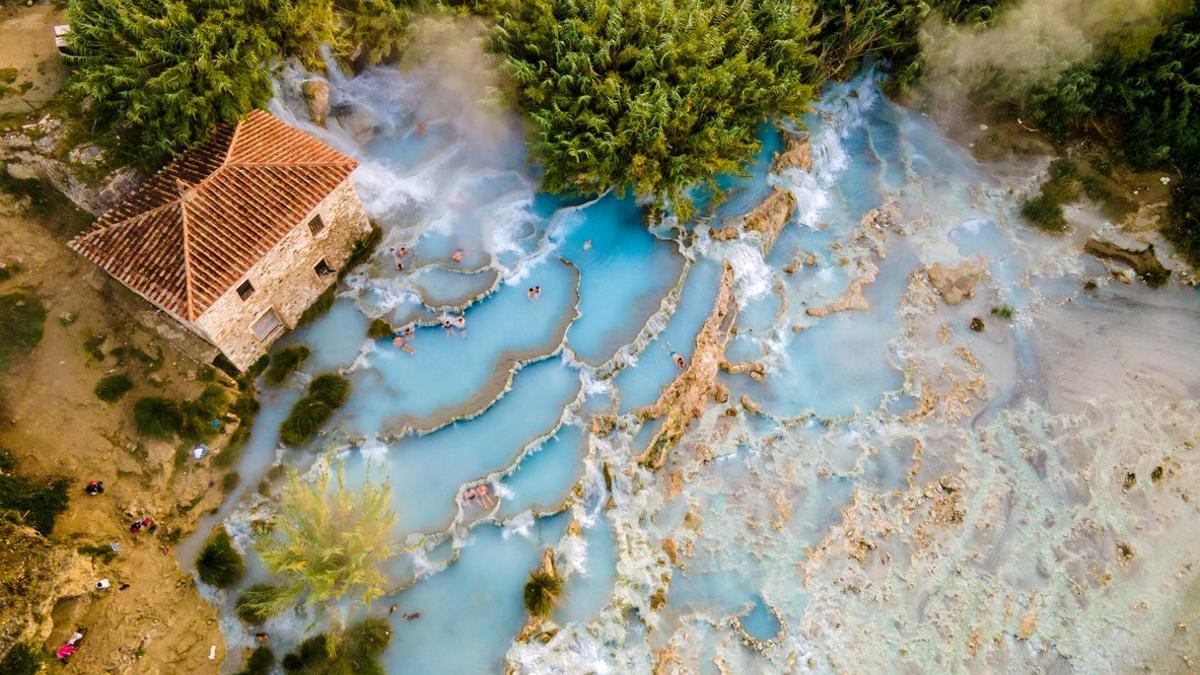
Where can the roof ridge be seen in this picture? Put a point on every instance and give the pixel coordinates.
(189, 307)
(348, 160)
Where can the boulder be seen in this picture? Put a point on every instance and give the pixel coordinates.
(956, 284)
(316, 96)
(797, 154)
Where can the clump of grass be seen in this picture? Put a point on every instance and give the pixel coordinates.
(379, 330)
(22, 317)
(543, 592)
(1045, 212)
(261, 661)
(285, 362)
(33, 502)
(230, 481)
(325, 395)
(111, 388)
(319, 307)
(257, 603)
(218, 563)
(157, 417)
(9, 270)
(1003, 311)
(1063, 170)
(206, 373)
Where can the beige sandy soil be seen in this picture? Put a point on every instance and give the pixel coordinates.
(27, 44)
(54, 424)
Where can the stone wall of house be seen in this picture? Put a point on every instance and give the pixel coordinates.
(285, 280)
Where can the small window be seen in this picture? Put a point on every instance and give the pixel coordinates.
(316, 224)
(266, 325)
(245, 290)
(323, 269)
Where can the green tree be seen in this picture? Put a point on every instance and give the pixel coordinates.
(654, 96)
(155, 76)
(328, 543)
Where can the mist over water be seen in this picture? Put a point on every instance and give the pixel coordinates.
(903, 493)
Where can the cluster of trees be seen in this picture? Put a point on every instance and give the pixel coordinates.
(153, 77)
(651, 97)
(654, 96)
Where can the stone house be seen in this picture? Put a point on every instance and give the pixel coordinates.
(237, 237)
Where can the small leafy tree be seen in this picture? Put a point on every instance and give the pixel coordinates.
(326, 394)
(329, 542)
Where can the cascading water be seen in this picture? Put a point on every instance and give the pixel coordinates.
(894, 492)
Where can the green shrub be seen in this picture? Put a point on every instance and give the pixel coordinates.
(22, 316)
(325, 395)
(34, 502)
(319, 307)
(310, 654)
(542, 594)
(1044, 212)
(257, 603)
(218, 563)
(230, 481)
(379, 330)
(285, 362)
(22, 659)
(111, 388)
(157, 417)
(261, 661)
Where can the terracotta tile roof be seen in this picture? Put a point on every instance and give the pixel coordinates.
(190, 232)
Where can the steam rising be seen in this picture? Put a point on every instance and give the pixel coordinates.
(463, 81)
(1030, 41)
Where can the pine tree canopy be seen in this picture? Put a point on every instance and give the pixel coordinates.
(654, 96)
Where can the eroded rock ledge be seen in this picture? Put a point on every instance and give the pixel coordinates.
(1144, 262)
(769, 217)
(685, 398)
